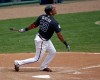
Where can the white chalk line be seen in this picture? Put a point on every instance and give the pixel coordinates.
(69, 70)
(68, 53)
(89, 67)
(29, 67)
(85, 68)
(58, 53)
(78, 52)
(78, 71)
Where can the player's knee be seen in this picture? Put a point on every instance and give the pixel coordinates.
(53, 51)
(37, 59)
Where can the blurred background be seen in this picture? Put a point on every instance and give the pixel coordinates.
(14, 2)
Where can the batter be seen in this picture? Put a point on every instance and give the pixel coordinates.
(47, 26)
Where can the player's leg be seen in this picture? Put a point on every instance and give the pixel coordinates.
(51, 53)
(40, 50)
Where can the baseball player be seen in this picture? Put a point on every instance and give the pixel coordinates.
(47, 26)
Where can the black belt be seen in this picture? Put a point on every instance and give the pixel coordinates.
(43, 38)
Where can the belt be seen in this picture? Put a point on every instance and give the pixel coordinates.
(42, 38)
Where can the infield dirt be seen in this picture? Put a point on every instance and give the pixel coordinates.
(65, 66)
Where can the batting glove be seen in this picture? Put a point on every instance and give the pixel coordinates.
(22, 30)
(67, 45)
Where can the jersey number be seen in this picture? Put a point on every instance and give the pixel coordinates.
(44, 25)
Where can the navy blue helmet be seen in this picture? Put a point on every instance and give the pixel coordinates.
(48, 9)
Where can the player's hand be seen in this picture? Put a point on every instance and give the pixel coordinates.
(68, 47)
(22, 30)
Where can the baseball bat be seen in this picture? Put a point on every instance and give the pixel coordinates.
(14, 29)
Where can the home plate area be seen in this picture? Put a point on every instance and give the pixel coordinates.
(65, 66)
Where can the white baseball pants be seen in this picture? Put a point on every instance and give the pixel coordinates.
(41, 47)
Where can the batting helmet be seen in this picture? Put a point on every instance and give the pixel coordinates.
(48, 9)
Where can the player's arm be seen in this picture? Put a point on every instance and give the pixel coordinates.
(60, 36)
(32, 26)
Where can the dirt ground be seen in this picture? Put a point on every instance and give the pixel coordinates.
(65, 66)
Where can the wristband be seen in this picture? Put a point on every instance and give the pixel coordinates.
(26, 29)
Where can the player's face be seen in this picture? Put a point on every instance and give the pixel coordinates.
(54, 11)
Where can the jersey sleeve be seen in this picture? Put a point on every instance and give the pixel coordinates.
(57, 27)
(37, 22)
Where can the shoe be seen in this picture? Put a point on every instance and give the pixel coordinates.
(16, 66)
(47, 70)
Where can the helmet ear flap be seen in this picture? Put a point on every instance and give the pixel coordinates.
(48, 9)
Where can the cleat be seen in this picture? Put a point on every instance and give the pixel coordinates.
(16, 66)
(47, 70)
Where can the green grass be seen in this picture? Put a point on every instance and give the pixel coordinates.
(78, 29)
